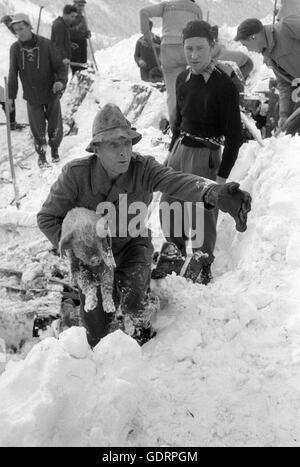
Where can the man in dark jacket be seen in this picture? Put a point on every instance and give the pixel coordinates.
(79, 35)
(60, 33)
(122, 182)
(144, 55)
(207, 111)
(43, 78)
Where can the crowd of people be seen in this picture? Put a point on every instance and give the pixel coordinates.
(204, 82)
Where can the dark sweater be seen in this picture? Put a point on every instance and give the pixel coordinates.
(210, 110)
(61, 39)
(39, 67)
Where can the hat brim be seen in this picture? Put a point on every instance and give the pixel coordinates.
(114, 134)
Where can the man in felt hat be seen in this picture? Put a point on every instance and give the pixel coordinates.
(118, 183)
(79, 34)
(43, 77)
(280, 45)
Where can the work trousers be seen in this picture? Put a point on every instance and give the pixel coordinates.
(173, 62)
(204, 162)
(131, 283)
(38, 115)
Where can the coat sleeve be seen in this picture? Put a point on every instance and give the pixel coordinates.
(13, 73)
(285, 89)
(232, 129)
(58, 39)
(155, 11)
(61, 73)
(177, 121)
(186, 187)
(61, 199)
(137, 52)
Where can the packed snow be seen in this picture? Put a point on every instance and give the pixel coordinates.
(223, 369)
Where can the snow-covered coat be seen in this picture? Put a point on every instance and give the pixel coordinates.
(84, 183)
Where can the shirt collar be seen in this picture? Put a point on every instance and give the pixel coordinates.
(206, 74)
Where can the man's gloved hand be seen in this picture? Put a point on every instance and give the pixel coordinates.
(57, 87)
(229, 198)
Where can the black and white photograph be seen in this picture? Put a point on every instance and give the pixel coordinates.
(149, 226)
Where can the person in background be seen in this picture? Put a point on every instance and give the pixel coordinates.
(43, 78)
(144, 55)
(175, 15)
(207, 111)
(79, 36)
(60, 33)
(280, 45)
(7, 19)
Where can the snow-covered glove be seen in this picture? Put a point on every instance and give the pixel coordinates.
(57, 87)
(142, 63)
(229, 198)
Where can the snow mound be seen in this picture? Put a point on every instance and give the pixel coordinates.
(64, 394)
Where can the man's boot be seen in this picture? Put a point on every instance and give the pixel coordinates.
(170, 260)
(205, 275)
(54, 155)
(199, 263)
(42, 161)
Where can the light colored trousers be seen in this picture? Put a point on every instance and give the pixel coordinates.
(173, 62)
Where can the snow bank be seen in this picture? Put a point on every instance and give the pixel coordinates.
(63, 394)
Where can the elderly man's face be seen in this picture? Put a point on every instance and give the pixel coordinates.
(115, 155)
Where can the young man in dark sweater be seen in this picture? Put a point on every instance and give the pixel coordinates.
(60, 33)
(43, 78)
(207, 116)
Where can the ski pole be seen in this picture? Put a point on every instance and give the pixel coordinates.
(275, 11)
(39, 20)
(10, 155)
(90, 42)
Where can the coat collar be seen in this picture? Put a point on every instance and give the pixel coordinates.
(101, 184)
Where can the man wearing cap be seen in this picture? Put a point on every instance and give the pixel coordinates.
(113, 174)
(43, 78)
(280, 46)
(79, 34)
(207, 116)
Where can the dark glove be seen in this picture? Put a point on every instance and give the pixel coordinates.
(229, 198)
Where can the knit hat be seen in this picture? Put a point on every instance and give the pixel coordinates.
(247, 28)
(110, 123)
(198, 29)
(21, 18)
